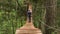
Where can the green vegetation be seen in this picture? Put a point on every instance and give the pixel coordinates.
(13, 15)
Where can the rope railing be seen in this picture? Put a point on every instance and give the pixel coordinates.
(50, 26)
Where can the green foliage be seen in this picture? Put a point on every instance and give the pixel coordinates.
(13, 16)
(9, 21)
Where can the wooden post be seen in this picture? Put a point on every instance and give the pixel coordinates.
(28, 28)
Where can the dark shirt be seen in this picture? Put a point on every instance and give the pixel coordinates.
(29, 14)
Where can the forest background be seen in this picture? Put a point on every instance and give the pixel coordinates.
(46, 15)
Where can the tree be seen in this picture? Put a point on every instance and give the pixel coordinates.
(50, 6)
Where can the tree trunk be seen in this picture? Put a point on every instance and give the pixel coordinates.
(50, 6)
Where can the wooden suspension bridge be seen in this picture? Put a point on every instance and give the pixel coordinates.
(28, 28)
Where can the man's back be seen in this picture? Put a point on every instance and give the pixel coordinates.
(29, 15)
